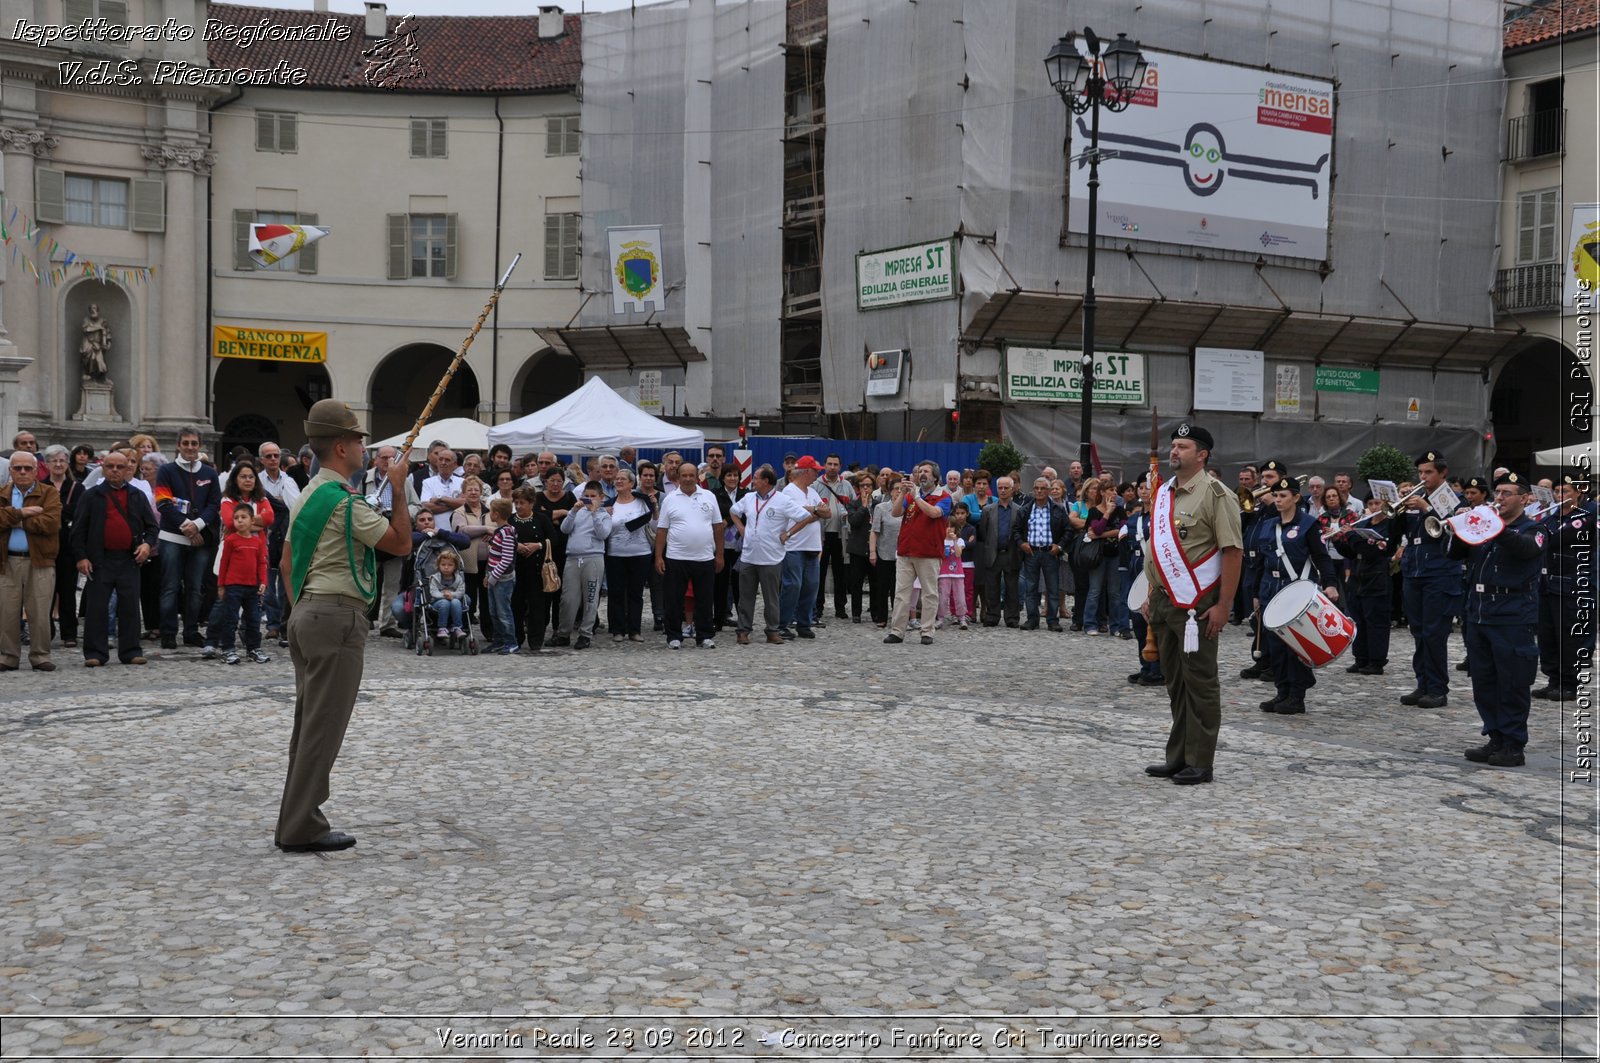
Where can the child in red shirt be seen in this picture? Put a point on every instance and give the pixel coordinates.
(241, 581)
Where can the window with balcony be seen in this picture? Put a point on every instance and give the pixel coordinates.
(1541, 131)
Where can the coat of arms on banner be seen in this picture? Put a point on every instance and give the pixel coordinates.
(636, 269)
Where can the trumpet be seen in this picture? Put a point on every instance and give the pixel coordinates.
(1391, 508)
(1263, 491)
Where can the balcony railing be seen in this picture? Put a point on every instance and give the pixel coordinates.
(802, 291)
(1532, 136)
(1530, 287)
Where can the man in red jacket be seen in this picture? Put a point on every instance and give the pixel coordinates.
(925, 510)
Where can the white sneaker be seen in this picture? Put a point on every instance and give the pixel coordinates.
(709, 644)
(207, 652)
(674, 644)
(963, 625)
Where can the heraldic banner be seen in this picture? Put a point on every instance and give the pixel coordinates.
(636, 282)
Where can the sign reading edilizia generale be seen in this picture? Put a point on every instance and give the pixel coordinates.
(916, 273)
(269, 344)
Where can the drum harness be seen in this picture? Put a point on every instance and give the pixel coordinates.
(1284, 559)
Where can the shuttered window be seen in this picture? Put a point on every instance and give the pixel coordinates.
(422, 245)
(149, 205)
(277, 131)
(428, 138)
(1536, 225)
(561, 134)
(113, 11)
(84, 199)
(561, 236)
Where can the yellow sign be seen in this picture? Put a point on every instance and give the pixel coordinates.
(269, 344)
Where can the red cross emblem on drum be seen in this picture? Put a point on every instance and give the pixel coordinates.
(1331, 621)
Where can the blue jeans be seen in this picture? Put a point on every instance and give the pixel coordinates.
(798, 594)
(1119, 601)
(448, 611)
(500, 609)
(1096, 608)
(236, 596)
(182, 564)
(274, 602)
(1041, 562)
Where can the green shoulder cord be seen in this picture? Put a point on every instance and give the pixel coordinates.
(315, 512)
(366, 577)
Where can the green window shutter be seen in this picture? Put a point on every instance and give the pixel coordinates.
(552, 246)
(241, 239)
(149, 202)
(437, 147)
(419, 138)
(450, 246)
(288, 132)
(552, 136)
(266, 131)
(49, 196)
(308, 254)
(570, 236)
(399, 246)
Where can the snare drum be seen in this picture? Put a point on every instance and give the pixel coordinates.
(1309, 623)
(1139, 592)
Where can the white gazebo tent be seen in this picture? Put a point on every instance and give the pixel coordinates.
(1566, 457)
(459, 433)
(592, 420)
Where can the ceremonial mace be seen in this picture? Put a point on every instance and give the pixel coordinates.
(455, 363)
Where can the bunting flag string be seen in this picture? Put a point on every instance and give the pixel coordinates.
(48, 270)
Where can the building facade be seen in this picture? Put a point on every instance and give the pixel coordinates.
(429, 187)
(106, 181)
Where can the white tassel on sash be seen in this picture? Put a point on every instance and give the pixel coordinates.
(1191, 635)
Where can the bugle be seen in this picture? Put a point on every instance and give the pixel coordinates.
(1390, 508)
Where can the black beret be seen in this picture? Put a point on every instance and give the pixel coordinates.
(1476, 481)
(1514, 480)
(1577, 478)
(1201, 437)
(1430, 457)
(1288, 484)
(1275, 466)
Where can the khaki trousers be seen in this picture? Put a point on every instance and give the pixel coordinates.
(22, 586)
(327, 642)
(926, 571)
(1191, 681)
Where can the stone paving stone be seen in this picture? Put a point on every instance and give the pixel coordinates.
(751, 838)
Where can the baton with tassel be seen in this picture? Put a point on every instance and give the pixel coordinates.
(455, 363)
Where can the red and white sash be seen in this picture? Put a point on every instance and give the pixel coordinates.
(1185, 583)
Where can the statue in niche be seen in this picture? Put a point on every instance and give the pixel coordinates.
(96, 344)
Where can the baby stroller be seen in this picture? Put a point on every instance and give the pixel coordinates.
(424, 563)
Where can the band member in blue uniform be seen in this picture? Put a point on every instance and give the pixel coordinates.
(1135, 539)
(1272, 473)
(1370, 590)
(1284, 548)
(1432, 588)
(1475, 491)
(1566, 602)
(1502, 606)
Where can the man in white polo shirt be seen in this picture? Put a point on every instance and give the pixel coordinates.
(689, 554)
(443, 493)
(803, 550)
(762, 516)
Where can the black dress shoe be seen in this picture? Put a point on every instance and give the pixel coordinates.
(1359, 668)
(893, 640)
(1135, 677)
(169, 642)
(1055, 627)
(1153, 681)
(1374, 669)
(330, 842)
(1462, 667)
(1163, 770)
(1411, 698)
(559, 641)
(1432, 701)
(1290, 707)
(991, 623)
(1191, 775)
(1011, 623)
(927, 640)
(1563, 694)
(806, 633)
(1032, 625)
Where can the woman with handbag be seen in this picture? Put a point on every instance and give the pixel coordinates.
(1103, 520)
(530, 604)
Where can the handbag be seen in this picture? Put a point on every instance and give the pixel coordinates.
(549, 572)
(1086, 552)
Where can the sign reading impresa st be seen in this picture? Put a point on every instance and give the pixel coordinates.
(1214, 155)
(1046, 374)
(916, 273)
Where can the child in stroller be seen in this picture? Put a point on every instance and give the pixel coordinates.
(437, 593)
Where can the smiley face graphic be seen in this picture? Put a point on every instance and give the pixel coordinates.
(1204, 157)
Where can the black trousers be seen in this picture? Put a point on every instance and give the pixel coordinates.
(534, 610)
(626, 579)
(726, 591)
(833, 560)
(882, 589)
(118, 574)
(1371, 614)
(701, 575)
(1000, 588)
(856, 579)
(1563, 651)
(67, 596)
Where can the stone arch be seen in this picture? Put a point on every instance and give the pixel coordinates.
(1533, 403)
(545, 378)
(257, 400)
(401, 383)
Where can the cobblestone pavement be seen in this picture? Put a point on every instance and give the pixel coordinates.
(786, 851)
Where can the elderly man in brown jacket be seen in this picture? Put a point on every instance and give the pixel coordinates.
(30, 525)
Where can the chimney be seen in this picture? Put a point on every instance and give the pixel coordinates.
(320, 7)
(551, 22)
(377, 19)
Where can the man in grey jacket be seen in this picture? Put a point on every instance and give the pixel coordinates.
(587, 526)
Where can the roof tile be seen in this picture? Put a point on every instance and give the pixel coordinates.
(1551, 21)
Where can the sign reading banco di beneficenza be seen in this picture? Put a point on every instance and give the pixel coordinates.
(915, 273)
(269, 344)
(1045, 374)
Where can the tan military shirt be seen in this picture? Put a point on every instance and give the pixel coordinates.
(1207, 515)
(330, 564)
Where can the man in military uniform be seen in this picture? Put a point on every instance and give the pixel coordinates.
(1566, 604)
(1192, 566)
(1432, 588)
(1273, 473)
(329, 571)
(1284, 549)
(1501, 609)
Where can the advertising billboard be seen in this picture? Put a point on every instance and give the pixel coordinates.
(1212, 155)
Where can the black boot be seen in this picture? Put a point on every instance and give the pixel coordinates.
(1481, 754)
(1507, 756)
(1255, 671)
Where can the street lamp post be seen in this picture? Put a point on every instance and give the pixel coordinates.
(1104, 78)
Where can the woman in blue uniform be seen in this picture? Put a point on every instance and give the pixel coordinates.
(1286, 548)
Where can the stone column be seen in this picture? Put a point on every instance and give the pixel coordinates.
(182, 352)
(21, 146)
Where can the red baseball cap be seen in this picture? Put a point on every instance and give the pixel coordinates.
(807, 462)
